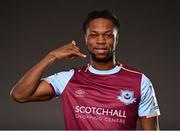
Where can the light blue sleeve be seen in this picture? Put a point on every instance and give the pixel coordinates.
(148, 106)
(59, 80)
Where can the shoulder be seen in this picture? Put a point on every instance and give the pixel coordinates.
(134, 72)
(130, 70)
(146, 83)
(60, 76)
(68, 72)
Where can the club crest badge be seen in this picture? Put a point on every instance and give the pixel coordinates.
(127, 97)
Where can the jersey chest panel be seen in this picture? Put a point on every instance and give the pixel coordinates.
(93, 101)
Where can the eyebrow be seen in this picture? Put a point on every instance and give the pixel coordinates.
(109, 31)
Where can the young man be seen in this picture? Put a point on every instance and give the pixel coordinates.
(103, 94)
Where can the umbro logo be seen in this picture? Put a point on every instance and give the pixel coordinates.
(80, 93)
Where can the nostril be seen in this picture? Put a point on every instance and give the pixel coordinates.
(101, 42)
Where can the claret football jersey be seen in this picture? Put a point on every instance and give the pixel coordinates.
(104, 99)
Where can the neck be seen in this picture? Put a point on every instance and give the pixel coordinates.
(103, 65)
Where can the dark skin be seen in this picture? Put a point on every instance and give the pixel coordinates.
(101, 39)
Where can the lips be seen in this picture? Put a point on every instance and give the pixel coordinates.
(101, 50)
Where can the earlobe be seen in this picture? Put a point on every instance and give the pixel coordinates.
(117, 39)
(85, 37)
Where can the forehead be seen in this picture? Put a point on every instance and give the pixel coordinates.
(100, 24)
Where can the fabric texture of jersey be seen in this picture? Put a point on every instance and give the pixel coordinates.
(104, 101)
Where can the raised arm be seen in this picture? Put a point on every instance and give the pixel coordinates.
(30, 87)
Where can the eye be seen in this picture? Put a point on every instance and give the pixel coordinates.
(108, 36)
(92, 35)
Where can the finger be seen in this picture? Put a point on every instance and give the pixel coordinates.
(76, 49)
(80, 54)
(72, 56)
(73, 42)
(73, 47)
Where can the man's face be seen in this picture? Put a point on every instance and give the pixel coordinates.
(101, 39)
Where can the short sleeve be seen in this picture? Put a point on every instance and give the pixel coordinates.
(148, 106)
(59, 80)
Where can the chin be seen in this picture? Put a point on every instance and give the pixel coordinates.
(102, 58)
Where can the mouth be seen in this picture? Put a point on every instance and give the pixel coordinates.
(101, 50)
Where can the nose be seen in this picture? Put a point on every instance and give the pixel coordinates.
(100, 39)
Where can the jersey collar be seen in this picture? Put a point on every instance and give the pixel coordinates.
(104, 72)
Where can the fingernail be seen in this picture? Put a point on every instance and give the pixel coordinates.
(74, 42)
(84, 56)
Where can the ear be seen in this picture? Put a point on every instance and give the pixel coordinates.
(117, 39)
(85, 38)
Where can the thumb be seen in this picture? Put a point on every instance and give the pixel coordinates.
(73, 42)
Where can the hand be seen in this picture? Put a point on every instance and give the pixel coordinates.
(69, 50)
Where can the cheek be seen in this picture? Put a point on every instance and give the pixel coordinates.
(90, 41)
(111, 43)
